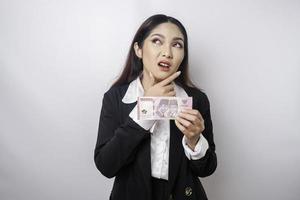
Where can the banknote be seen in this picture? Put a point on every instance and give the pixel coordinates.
(158, 108)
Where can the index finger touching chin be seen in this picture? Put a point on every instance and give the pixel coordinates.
(170, 78)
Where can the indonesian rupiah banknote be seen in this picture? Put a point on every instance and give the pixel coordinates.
(158, 108)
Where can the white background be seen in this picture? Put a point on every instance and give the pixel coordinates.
(58, 57)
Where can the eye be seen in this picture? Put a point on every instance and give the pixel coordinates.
(156, 41)
(179, 45)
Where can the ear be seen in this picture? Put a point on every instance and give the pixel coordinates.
(138, 51)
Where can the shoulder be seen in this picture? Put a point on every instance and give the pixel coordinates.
(196, 93)
(200, 98)
(116, 92)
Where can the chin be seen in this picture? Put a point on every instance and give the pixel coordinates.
(161, 76)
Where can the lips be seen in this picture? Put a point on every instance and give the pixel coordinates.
(164, 63)
(164, 66)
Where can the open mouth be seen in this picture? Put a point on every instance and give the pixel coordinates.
(164, 66)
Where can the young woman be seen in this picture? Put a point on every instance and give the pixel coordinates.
(155, 159)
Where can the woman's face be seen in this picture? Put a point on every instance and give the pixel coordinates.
(165, 43)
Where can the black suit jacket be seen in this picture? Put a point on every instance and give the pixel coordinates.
(123, 151)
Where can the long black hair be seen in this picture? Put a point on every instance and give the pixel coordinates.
(134, 66)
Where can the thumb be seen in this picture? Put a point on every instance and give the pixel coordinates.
(152, 79)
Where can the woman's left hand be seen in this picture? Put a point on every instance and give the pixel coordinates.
(191, 124)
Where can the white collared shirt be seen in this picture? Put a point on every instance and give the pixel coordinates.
(160, 133)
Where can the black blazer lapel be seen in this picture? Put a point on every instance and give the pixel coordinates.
(144, 162)
(144, 157)
(176, 153)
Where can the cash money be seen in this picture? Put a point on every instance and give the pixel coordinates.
(158, 108)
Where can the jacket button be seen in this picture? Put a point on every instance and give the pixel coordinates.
(188, 191)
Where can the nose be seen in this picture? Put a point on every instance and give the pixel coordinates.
(167, 52)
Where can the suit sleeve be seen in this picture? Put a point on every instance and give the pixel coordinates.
(206, 165)
(116, 144)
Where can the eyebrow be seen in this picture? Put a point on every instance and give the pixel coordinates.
(160, 35)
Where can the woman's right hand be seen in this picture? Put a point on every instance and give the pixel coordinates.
(162, 88)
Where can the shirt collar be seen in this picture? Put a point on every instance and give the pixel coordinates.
(135, 90)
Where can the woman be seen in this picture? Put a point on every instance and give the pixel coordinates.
(155, 159)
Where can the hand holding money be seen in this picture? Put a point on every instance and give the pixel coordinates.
(191, 124)
(162, 88)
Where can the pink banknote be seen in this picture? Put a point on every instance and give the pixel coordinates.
(158, 108)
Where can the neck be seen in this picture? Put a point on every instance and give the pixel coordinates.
(146, 80)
